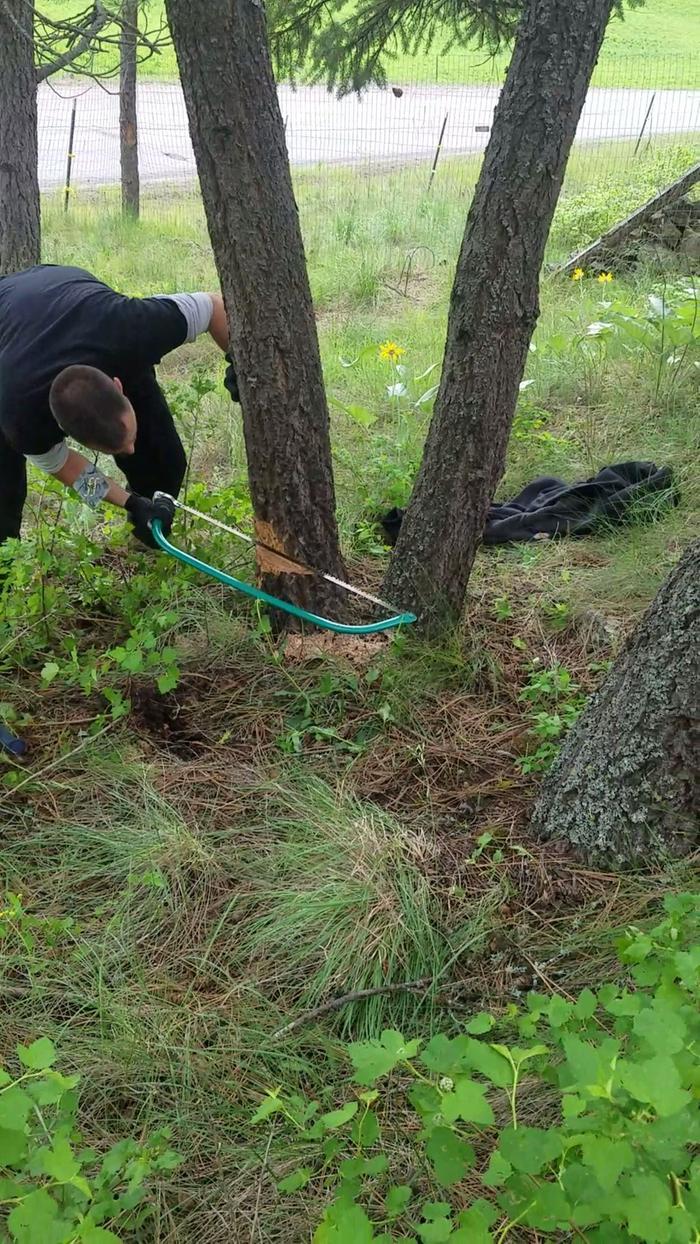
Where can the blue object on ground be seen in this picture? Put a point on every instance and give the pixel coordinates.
(11, 744)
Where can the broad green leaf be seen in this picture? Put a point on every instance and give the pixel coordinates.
(497, 1171)
(365, 1130)
(97, 1235)
(587, 1065)
(489, 1062)
(530, 1149)
(624, 1004)
(426, 1101)
(295, 1181)
(480, 1024)
(49, 1090)
(572, 1106)
(559, 1011)
(435, 1232)
(15, 1106)
(474, 1223)
(271, 1104)
(82, 1186)
(550, 1208)
(662, 1027)
(656, 1081)
(608, 1159)
(12, 1189)
(397, 1199)
(373, 1059)
(39, 1055)
(436, 1227)
(336, 1118)
(648, 1208)
(35, 1220)
(344, 1224)
(448, 1056)
(467, 1102)
(585, 1005)
(13, 1147)
(354, 1168)
(168, 681)
(5, 1079)
(432, 1210)
(583, 1194)
(540, 1205)
(451, 1157)
(50, 671)
(60, 1163)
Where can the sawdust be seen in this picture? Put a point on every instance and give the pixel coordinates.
(359, 651)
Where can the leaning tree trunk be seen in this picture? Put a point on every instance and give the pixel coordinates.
(495, 301)
(238, 138)
(626, 784)
(128, 124)
(19, 179)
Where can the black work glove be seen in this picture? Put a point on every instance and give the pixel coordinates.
(231, 380)
(142, 511)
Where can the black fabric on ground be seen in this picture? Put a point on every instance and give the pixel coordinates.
(625, 492)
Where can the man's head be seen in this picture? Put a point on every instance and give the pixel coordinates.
(93, 409)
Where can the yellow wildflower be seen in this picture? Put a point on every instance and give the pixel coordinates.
(577, 274)
(605, 278)
(389, 352)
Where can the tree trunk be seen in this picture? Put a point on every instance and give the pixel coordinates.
(495, 302)
(19, 180)
(626, 784)
(238, 138)
(128, 125)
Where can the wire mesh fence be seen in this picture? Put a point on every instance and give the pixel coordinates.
(422, 136)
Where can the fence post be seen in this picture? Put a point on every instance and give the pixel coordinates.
(71, 153)
(437, 153)
(644, 123)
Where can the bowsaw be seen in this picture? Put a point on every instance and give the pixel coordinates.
(281, 562)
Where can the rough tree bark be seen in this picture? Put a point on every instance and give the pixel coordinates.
(626, 784)
(495, 302)
(19, 183)
(238, 138)
(128, 122)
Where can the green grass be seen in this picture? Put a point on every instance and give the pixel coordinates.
(652, 47)
(300, 826)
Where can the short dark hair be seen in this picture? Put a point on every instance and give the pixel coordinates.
(89, 407)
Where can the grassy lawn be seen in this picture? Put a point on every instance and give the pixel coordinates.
(198, 867)
(653, 46)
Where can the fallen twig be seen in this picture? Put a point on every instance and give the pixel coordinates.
(357, 995)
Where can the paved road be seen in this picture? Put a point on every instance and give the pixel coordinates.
(379, 128)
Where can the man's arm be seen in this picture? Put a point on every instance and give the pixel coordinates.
(75, 466)
(93, 488)
(218, 325)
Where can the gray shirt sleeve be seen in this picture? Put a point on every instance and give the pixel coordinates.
(197, 310)
(52, 460)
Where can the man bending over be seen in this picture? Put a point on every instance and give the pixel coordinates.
(78, 360)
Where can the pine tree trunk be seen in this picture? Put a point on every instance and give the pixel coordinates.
(626, 785)
(128, 122)
(238, 138)
(495, 302)
(19, 181)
